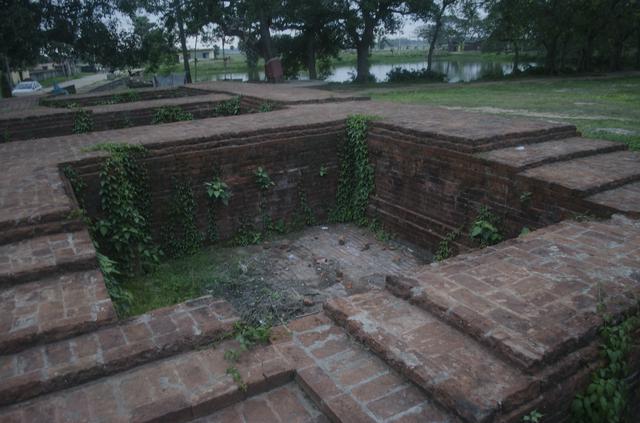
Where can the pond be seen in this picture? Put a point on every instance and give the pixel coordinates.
(456, 70)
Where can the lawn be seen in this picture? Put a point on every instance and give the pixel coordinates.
(58, 79)
(604, 107)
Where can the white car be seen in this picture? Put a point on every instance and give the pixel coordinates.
(26, 88)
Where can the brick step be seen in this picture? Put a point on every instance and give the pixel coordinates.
(49, 223)
(35, 258)
(455, 370)
(53, 308)
(532, 155)
(590, 175)
(176, 389)
(161, 333)
(624, 199)
(285, 404)
(534, 299)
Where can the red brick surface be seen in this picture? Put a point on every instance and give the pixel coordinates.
(52, 308)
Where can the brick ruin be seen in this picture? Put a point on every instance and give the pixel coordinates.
(488, 335)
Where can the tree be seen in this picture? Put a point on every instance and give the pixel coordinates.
(318, 32)
(20, 38)
(363, 19)
(509, 21)
(433, 11)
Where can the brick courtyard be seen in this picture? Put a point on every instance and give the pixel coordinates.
(488, 335)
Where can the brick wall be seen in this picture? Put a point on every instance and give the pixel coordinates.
(142, 95)
(59, 124)
(424, 192)
(292, 158)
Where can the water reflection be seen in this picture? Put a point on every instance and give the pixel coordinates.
(456, 70)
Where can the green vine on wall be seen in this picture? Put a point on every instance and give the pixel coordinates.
(228, 107)
(218, 192)
(82, 122)
(606, 399)
(356, 179)
(485, 228)
(445, 249)
(123, 229)
(168, 114)
(181, 235)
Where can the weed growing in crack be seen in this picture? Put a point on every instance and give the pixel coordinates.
(248, 336)
(484, 229)
(445, 249)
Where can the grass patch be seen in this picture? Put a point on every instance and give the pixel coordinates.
(604, 108)
(48, 82)
(178, 280)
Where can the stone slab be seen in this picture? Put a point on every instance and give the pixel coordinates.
(537, 297)
(625, 198)
(531, 155)
(589, 175)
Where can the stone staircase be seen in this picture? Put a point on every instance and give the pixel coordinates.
(486, 336)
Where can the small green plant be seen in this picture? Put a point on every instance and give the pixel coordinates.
(246, 235)
(607, 397)
(237, 378)
(218, 191)
(378, 230)
(249, 335)
(168, 114)
(524, 231)
(232, 355)
(263, 180)
(227, 108)
(445, 249)
(5, 136)
(534, 417)
(323, 171)
(525, 199)
(77, 184)
(582, 217)
(484, 228)
(266, 107)
(82, 122)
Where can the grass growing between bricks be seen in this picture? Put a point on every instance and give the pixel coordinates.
(603, 108)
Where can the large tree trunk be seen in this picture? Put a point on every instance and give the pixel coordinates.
(311, 57)
(516, 58)
(265, 38)
(5, 77)
(550, 59)
(436, 33)
(183, 46)
(362, 63)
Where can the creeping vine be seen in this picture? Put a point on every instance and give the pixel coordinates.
(82, 122)
(355, 181)
(181, 235)
(123, 229)
(168, 114)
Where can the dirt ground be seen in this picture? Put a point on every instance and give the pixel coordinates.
(294, 274)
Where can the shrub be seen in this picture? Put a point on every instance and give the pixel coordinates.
(399, 74)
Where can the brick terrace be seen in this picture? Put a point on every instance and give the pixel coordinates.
(485, 336)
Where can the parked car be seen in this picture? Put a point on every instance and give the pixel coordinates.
(26, 88)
